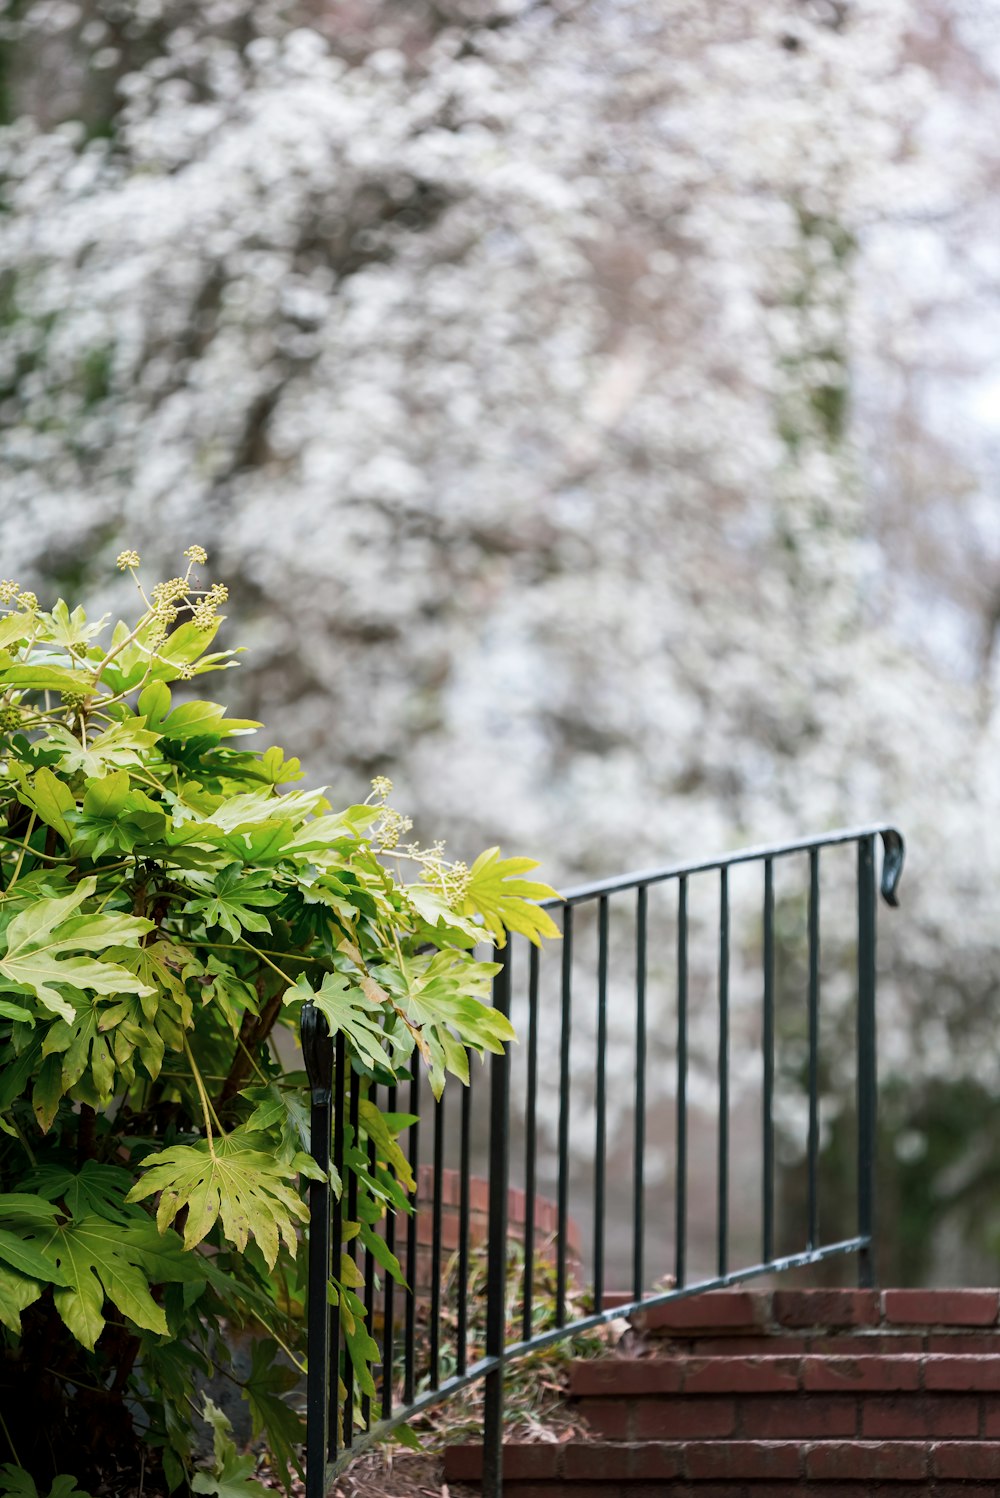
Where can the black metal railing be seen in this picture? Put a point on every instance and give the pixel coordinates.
(681, 984)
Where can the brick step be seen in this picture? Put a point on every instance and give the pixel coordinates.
(725, 1469)
(771, 1398)
(752, 1321)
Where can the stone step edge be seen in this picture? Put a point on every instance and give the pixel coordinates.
(616, 1377)
(724, 1312)
(753, 1461)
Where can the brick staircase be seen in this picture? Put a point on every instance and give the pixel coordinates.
(775, 1394)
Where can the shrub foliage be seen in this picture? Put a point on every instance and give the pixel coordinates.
(168, 904)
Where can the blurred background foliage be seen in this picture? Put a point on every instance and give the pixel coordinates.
(590, 405)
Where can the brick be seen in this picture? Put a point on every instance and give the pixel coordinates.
(968, 1460)
(747, 1345)
(942, 1371)
(794, 1417)
(905, 1417)
(589, 1462)
(974, 1344)
(463, 1463)
(853, 1375)
(941, 1307)
(754, 1461)
(769, 1375)
(990, 1404)
(800, 1308)
(655, 1461)
(675, 1419)
(961, 1489)
(627, 1377)
(715, 1308)
(612, 1298)
(606, 1417)
(534, 1463)
(449, 1229)
(859, 1461)
(874, 1343)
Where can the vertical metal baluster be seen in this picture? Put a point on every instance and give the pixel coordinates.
(723, 1171)
(317, 1050)
(562, 1204)
(530, 1147)
(496, 1279)
(600, 1140)
(639, 1149)
(462, 1331)
(336, 1242)
(389, 1329)
(352, 1216)
(436, 1232)
(412, 1250)
(366, 1403)
(680, 1175)
(767, 1045)
(813, 1146)
(867, 1064)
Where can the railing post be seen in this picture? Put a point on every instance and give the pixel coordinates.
(317, 1051)
(496, 1281)
(867, 1063)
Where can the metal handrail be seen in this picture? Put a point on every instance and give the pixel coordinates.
(335, 1097)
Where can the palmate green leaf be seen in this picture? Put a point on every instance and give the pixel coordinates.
(231, 1478)
(83, 1048)
(115, 1261)
(25, 1267)
(234, 1180)
(17, 1068)
(382, 1129)
(15, 629)
(186, 646)
(266, 1392)
(252, 807)
(437, 997)
(64, 628)
(350, 1010)
(42, 678)
(47, 1092)
(163, 997)
(203, 719)
(236, 901)
(95, 1189)
(505, 900)
(16, 1483)
(17, 1293)
(119, 746)
(41, 938)
(362, 1348)
(48, 796)
(24, 1256)
(285, 1110)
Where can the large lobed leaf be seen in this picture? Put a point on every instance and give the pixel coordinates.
(41, 938)
(505, 901)
(233, 1180)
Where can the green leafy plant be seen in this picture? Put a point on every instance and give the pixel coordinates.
(167, 905)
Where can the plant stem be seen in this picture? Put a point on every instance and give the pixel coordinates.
(10, 1440)
(24, 848)
(206, 1106)
(23, 1142)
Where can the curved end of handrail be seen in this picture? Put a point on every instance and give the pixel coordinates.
(317, 1049)
(894, 853)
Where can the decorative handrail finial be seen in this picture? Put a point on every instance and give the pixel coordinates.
(317, 1051)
